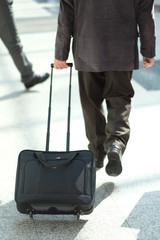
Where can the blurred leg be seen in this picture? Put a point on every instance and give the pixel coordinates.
(118, 92)
(91, 89)
(10, 38)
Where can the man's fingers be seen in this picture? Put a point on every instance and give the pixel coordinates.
(60, 64)
(147, 62)
(57, 66)
(147, 65)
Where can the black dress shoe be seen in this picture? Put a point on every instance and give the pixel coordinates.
(114, 166)
(99, 163)
(36, 80)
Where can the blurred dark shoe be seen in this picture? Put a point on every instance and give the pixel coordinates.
(114, 166)
(99, 163)
(36, 80)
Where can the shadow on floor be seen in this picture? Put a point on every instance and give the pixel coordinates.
(103, 192)
(42, 226)
(16, 94)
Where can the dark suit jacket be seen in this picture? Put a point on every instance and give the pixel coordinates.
(105, 33)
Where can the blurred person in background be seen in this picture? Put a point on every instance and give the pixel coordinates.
(9, 36)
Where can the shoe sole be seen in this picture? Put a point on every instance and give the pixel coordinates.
(114, 160)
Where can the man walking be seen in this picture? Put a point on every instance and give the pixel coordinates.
(9, 36)
(105, 52)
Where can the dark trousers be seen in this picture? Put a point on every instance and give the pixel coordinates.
(9, 36)
(115, 88)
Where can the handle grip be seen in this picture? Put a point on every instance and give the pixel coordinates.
(69, 64)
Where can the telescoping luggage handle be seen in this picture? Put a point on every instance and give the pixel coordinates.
(69, 109)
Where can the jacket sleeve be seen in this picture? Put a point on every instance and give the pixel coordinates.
(146, 28)
(64, 30)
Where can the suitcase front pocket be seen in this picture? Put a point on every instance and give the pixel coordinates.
(59, 180)
(40, 179)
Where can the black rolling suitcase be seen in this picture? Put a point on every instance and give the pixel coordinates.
(55, 182)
